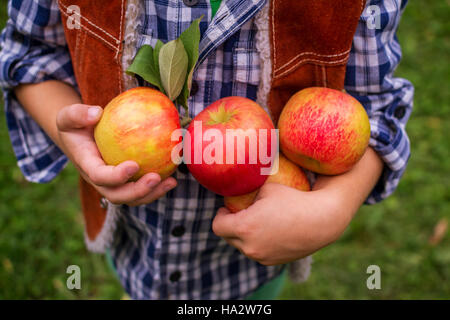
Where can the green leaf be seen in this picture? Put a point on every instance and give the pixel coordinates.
(173, 65)
(170, 66)
(191, 39)
(156, 51)
(144, 66)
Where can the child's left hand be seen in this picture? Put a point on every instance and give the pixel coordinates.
(283, 224)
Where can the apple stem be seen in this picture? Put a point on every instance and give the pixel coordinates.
(185, 121)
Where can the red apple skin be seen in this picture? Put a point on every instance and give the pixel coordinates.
(324, 130)
(289, 174)
(234, 178)
(137, 125)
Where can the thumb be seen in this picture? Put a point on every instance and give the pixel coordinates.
(77, 116)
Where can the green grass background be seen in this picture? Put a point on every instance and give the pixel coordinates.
(41, 230)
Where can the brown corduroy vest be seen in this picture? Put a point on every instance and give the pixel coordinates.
(310, 46)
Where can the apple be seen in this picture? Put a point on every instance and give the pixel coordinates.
(228, 146)
(137, 125)
(324, 130)
(288, 174)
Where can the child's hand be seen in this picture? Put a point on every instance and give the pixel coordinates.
(75, 124)
(283, 224)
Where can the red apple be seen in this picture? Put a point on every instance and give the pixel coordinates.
(228, 146)
(324, 130)
(137, 125)
(288, 174)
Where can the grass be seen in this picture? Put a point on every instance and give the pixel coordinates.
(41, 230)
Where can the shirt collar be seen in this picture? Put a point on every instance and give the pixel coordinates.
(231, 15)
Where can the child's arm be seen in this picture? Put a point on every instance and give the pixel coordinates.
(43, 110)
(58, 110)
(285, 224)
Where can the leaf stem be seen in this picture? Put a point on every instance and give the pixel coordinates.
(185, 121)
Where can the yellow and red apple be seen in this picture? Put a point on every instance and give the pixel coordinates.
(137, 125)
(324, 130)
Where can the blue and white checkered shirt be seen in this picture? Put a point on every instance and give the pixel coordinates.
(167, 249)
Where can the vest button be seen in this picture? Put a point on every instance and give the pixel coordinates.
(175, 276)
(183, 168)
(400, 112)
(178, 231)
(194, 88)
(103, 203)
(190, 3)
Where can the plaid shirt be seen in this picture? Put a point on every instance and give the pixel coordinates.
(167, 249)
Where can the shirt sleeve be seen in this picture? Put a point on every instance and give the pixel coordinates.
(387, 99)
(33, 49)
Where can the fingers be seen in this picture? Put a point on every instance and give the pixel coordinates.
(145, 190)
(157, 192)
(104, 175)
(88, 160)
(77, 116)
(225, 223)
(226, 226)
(131, 191)
(235, 242)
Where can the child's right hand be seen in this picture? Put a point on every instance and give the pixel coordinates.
(75, 124)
